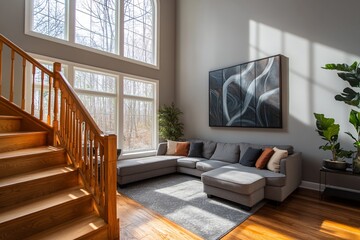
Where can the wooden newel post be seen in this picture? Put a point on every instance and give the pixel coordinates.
(57, 69)
(110, 157)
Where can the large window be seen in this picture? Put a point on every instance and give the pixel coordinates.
(120, 104)
(139, 114)
(98, 92)
(97, 25)
(138, 30)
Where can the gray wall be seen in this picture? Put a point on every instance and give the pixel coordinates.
(213, 34)
(12, 19)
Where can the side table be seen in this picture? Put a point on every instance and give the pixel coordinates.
(328, 191)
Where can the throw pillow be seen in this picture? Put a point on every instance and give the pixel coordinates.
(274, 162)
(182, 148)
(208, 149)
(196, 149)
(264, 158)
(171, 146)
(250, 157)
(227, 152)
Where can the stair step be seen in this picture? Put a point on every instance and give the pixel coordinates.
(10, 123)
(30, 159)
(34, 216)
(80, 227)
(18, 188)
(21, 140)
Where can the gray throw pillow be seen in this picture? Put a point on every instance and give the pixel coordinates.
(196, 149)
(208, 149)
(227, 152)
(250, 157)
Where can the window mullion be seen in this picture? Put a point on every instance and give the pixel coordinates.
(71, 21)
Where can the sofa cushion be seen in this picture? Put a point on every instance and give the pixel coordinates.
(210, 165)
(196, 149)
(233, 180)
(245, 146)
(264, 158)
(208, 149)
(138, 165)
(274, 162)
(272, 178)
(227, 152)
(182, 148)
(189, 162)
(171, 147)
(250, 157)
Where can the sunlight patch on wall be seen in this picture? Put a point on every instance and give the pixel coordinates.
(311, 88)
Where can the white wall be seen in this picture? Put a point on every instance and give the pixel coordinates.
(213, 34)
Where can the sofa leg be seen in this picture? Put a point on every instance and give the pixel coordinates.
(209, 195)
(122, 185)
(246, 208)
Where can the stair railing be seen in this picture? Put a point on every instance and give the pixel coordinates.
(88, 148)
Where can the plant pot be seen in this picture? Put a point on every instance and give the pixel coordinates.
(335, 165)
(356, 165)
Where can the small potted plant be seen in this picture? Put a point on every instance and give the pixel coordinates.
(329, 131)
(170, 127)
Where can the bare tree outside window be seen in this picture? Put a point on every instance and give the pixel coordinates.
(98, 93)
(96, 24)
(138, 132)
(139, 30)
(49, 18)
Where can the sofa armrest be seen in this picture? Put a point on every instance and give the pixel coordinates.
(292, 168)
(162, 148)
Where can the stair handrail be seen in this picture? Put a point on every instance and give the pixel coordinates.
(88, 148)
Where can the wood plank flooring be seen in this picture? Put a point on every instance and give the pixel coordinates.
(302, 216)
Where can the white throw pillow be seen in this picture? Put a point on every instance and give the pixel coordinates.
(274, 162)
(171, 147)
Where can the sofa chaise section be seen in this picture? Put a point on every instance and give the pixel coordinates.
(133, 170)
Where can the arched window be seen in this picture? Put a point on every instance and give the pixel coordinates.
(98, 25)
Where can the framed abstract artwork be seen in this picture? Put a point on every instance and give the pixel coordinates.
(247, 95)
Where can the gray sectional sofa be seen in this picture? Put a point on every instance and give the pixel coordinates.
(220, 171)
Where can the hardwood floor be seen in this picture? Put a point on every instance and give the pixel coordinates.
(302, 216)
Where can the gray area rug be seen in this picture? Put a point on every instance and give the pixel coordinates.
(181, 199)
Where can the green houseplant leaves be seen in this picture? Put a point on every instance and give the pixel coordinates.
(350, 96)
(170, 127)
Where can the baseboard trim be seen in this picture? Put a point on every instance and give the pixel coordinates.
(316, 186)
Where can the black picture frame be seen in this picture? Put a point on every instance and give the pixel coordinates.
(248, 95)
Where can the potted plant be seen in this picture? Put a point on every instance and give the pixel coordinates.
(350, 96)
(170, 127)
(329, 131)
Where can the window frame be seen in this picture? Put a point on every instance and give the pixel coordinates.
(154, 100)
(70, 71)
(70, 32)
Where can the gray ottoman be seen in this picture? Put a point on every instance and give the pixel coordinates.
(244, 188)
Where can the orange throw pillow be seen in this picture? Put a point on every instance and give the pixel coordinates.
(264, 158)
(182, 148)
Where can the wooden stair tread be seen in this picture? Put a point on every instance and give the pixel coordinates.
(15, 134)
(39, 204)
(42, 173)
(72, 229)
(10, 117)
(29, 151)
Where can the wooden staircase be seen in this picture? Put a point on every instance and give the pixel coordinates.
(41, 193)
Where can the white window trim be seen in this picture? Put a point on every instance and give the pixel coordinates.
(120, 77)
(70, 41)
(155, 99)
